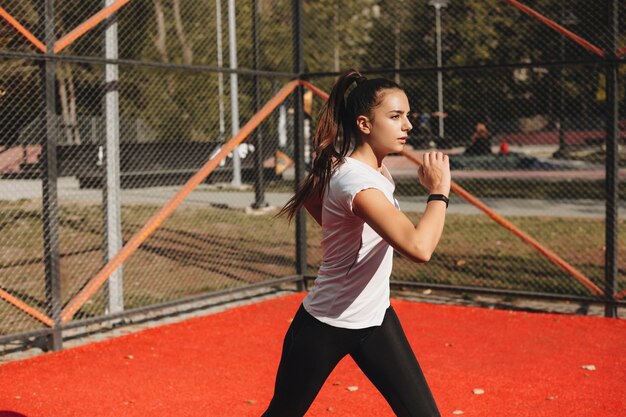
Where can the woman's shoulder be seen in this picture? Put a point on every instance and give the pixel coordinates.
(353, 173)
(351, 167)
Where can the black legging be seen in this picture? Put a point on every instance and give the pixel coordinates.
(312, 349)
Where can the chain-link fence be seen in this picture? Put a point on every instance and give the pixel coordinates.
(99, 137)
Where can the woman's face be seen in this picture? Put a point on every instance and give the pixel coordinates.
(387, 128)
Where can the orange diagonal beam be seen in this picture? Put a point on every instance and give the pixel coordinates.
(26, 308)
(13, 22)
(131, 246)
(87, 25)
(317, 91)
(553, 25)
(620, 295)
(553, 257)
(621, 52)
(547, 253)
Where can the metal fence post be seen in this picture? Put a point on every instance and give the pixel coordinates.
(612, 131)
(259, 184)
(111, 190)
(298, 68)
(234, 89)
(49, 190)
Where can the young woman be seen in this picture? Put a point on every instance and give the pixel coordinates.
(349, 192)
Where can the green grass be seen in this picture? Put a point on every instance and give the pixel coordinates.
(205, 249)
(478, 252)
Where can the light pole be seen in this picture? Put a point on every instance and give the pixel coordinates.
(438, 4)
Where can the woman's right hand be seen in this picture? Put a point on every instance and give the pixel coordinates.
(434, 173)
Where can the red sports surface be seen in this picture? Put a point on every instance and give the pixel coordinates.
(224, 364)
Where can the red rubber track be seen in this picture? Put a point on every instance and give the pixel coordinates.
(224, 364)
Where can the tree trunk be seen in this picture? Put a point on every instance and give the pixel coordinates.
(180, 31)
(63, 101)
(72, 116)
(161, 42)
(186, 46)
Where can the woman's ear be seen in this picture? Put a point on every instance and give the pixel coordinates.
(363, 124)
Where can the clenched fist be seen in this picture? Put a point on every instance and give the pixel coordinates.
(434, 173)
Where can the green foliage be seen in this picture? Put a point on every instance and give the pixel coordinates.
(367, 34)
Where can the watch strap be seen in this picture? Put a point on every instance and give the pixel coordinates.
(438, 197)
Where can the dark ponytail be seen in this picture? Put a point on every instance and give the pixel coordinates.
(336, 132)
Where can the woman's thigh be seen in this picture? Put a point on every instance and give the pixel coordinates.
(387, 359)
(311, 350)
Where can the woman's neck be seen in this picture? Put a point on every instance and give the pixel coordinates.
(366, 154)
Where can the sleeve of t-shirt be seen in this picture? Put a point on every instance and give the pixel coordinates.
(350, 184)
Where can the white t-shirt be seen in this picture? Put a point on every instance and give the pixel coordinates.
(352, 285)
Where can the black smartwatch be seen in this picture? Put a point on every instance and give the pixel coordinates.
(438, 197)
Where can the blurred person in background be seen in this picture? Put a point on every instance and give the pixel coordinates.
(480, 143)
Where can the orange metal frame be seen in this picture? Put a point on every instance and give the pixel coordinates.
(552, 24)
(66, 40)
(17, 25)
(153, 223)
(87, 25)
(550, 255)
(587, 45)
(26, 308)
(98, 280)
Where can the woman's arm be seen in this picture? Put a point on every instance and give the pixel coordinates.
(417, 242)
